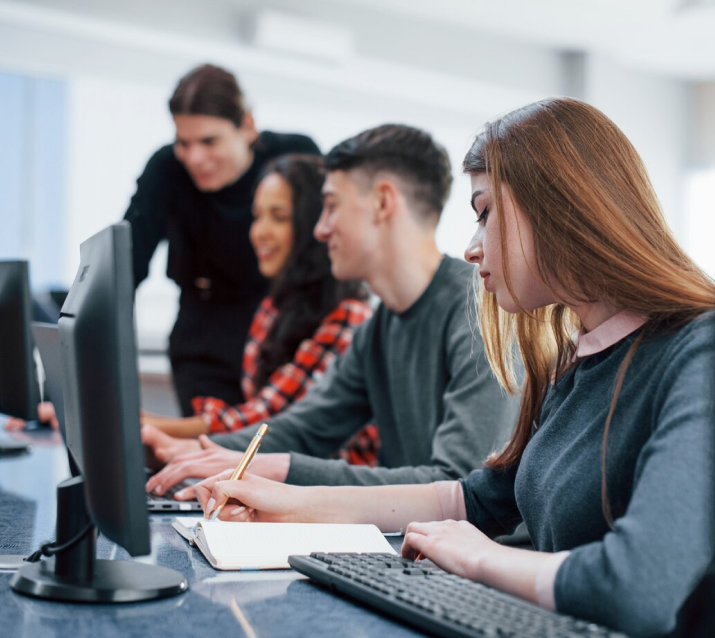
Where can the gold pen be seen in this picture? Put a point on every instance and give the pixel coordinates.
(243, 465)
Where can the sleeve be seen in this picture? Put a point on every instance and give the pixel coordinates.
(477, 417)
(148, 212)
(490, 501)
(639, 575)
(331, 412)
(363, 448)
(290, 382)
(451, 500)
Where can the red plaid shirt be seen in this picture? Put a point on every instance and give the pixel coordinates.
(291, 381)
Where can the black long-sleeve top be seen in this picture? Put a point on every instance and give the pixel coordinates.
(207, 231)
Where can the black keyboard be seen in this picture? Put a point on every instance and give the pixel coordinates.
(432, 600)
(172, 491)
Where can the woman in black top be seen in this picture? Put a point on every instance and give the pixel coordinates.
(198, 193)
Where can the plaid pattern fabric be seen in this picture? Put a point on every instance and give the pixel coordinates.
(291, 381)
(362, 448)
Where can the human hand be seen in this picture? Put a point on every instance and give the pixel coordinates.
(254, 498)
(162, 448)
(45, 414)
(456, 546)
(213, 459)
(208, 460)
(13, 424)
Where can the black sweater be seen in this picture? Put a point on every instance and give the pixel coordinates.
(207, 231)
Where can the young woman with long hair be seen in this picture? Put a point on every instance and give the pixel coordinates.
(612, 463)
(306, 320)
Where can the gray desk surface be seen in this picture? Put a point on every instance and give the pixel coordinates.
(274, 603)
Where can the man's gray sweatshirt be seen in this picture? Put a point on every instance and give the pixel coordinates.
(421, 376)
(660, 470)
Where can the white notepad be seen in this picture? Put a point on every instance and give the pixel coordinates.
(231, 546)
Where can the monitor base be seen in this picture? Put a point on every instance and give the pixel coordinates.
(113, 581)
(74, 573)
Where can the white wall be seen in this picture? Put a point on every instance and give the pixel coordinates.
(701, 227)
(115, 125)
(701, 183)
(653, 112)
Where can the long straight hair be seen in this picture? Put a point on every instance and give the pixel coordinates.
(599, 235)
(305, 291)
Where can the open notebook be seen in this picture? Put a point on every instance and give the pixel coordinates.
(268, 545)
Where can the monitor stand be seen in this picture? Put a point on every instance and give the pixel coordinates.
(76, 575)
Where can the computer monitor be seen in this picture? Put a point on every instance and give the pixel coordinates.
(19, 393)
(47, 340)
(101, 399)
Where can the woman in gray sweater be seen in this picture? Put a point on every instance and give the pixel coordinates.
(612, 463)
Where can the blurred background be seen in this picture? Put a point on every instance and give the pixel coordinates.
(84, 86)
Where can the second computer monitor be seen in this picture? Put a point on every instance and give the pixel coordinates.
(19, 392)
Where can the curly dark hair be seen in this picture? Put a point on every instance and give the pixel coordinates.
(305, 291)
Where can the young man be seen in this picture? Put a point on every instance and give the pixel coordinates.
(197, 193)
(415, 368)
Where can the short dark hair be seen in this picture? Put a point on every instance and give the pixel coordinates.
(404, 151)
(209, 90)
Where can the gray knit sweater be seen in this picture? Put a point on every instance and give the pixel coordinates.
(421, 376)
(660, 475)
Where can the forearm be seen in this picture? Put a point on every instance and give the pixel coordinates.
(187, 428)
(390, 507)
(524, 573)
(307, 470)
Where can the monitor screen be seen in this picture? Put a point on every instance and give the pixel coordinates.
(47, 340)
(101, 388)
(19, 392)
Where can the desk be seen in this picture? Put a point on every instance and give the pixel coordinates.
(274, 603)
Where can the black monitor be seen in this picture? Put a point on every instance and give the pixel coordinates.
(101, 401)
(19, 392)
(47, 341)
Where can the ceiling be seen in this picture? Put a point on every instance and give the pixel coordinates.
(673, 37)
(670, 37)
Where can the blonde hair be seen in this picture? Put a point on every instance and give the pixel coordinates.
(599, 235)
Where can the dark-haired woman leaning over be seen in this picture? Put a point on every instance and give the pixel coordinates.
(197, 193)
(302, 325)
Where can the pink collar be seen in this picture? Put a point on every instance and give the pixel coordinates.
(608, 333)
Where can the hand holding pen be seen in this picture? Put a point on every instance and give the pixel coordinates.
(242, 467)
